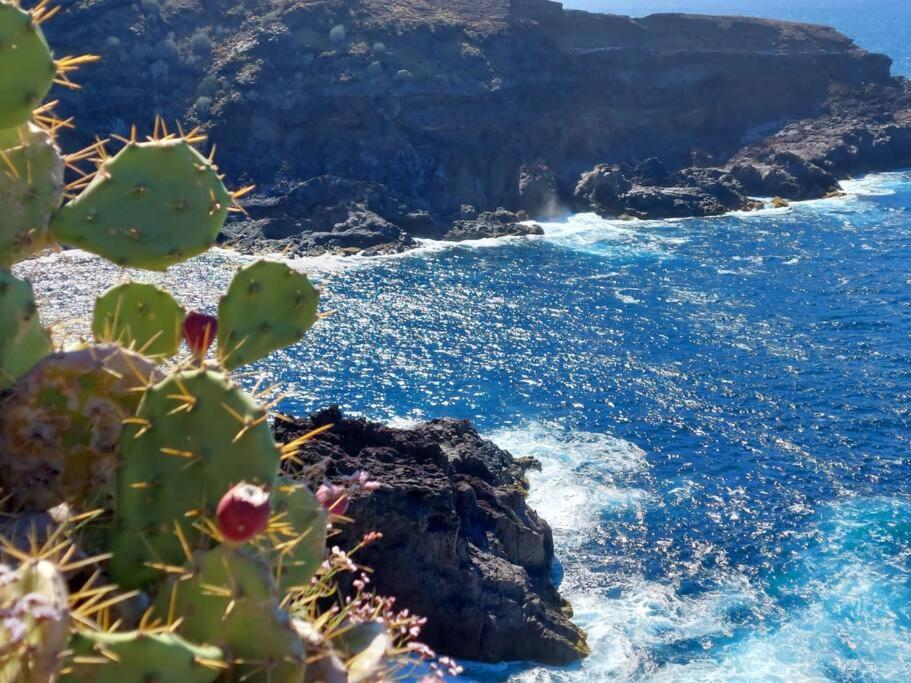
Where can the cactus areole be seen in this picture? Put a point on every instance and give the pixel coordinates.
(243, 512)
(27, 67)
(150, 206)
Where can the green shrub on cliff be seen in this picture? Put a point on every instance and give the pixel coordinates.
(167, 482)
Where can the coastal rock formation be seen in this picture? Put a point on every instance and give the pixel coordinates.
(499, 223)
(460, 545)
(425, 107)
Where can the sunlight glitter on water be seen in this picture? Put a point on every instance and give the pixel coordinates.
(722, 409)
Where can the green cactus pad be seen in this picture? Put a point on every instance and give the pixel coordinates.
(231, 601)
(138, 657)
(60, 426)
(27, 68)
(31, 189)
(34, 598)
(23, 341)
(364, 647)
(139, 316)
(268, 305)
(298, 528)
(150, 206)
(201, 435)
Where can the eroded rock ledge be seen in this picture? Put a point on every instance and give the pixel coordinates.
(460, 545)
(367, 124)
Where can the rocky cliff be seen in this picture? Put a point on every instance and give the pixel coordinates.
(367, 122)
(460, 545)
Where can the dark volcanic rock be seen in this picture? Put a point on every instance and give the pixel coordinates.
(658, 194)
(670, 202)
(326, 213)
(460, 545)
(490, 103)
(602, 189)
(538, 192)
(499, 223)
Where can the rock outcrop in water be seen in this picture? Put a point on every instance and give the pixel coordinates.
(367, 123)
(460, 545)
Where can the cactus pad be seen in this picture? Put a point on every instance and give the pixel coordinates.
(150, 206)
(27, 68)
(60, 427)
(196, 435)
(230, 600)
(139, 657)
(298, 533)
(268, 305)
(23, 341)
(34, 632)
(31, 189)
(139, 316)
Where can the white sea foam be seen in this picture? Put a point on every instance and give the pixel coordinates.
(876, 184)
(854, 621)
(565, 494)
(854, 625)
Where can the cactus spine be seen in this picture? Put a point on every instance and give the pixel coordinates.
(23, 341)
(195, 435)
(227, 595)
(141, 317)
(150, 206)
(27, 68)
(31, 189)
(172, 479)
(35, 627)
(139, 657)
(268, 305)
(60, 426)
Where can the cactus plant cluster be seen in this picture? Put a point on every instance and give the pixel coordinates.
(156, 477)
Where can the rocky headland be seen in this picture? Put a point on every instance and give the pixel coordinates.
(366, 124)
(460, 545)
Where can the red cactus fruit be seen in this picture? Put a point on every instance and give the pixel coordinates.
(333, 497)
(199, 330)
(243, 512)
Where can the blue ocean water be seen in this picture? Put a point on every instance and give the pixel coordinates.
(877, 25)
(722, 408)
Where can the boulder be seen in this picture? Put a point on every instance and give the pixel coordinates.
(600, 189)
(538, 193)
(460, 545)
(499, 223)
(671, 202)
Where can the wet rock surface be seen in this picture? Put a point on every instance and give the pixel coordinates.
(499, 223)
(460, 544)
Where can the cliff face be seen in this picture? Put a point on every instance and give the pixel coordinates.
(434, 105)
(460, 545)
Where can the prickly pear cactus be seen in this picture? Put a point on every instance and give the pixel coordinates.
(60, 426)
(150, 206)
(23, 341)
(139, 316)
(174, 480)
(298, 535)
(267, 306)
(140, 657)
(195, 435)
(31, 189)
(227, 597)
(34, 628)
(27, 68)
(364, 647)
